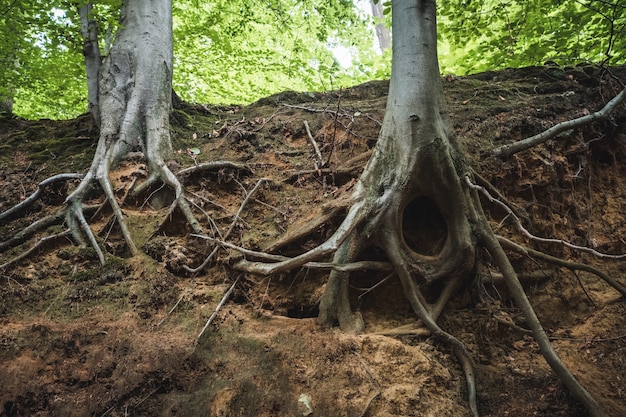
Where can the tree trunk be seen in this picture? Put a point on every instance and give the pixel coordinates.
(411, 187)
(134, 100)
(6, 106)
(91, 51)
(382, 33)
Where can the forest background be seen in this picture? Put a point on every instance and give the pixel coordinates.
(235, 52)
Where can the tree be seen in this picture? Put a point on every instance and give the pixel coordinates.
(382, 33)
(134, 104)
(418, 202)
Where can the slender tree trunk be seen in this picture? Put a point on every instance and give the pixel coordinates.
(6, 105)
(91, 51)
(382, 33)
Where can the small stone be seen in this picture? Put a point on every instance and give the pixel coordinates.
(304, 405)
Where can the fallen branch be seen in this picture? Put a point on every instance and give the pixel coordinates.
(217, 309)
(506, 151)
(319, 162)
(213, 166)
(171, 310)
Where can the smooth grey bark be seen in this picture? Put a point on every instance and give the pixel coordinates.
(135, 85)
(91, 52)
(415, 186)
(415, 164)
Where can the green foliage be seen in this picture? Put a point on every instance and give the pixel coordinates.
(237, 51)
(225, 51)
(481, 35)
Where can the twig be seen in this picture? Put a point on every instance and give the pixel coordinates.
(332, 143)
(405, 330)
(373, 287)
(228, 232)
(376, 383)
(584, 289)
(213, 166)
(577, 339)
(267, 289)
(319, 162)
(526, 233)
(217, 309)
(171, 310)
(507, 150)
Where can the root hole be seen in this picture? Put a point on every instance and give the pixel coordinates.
(303, 312)
(423, 227)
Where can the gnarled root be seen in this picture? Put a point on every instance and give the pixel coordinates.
(335, 302)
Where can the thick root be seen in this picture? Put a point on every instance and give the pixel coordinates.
(502, 261)
(395, 250)
(335, 302)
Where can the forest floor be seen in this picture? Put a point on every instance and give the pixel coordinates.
(80, 339)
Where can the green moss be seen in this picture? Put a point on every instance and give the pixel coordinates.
(115, 269)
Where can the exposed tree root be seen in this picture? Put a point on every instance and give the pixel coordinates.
(526, 233)
(574, 266)
(575, 388)
(34, 196)
(230, 229)
(506, 151)
(35, 247)
(33, 228)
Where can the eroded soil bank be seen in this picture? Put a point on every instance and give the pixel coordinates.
(80, 339)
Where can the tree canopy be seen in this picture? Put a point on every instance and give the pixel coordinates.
(229, 52)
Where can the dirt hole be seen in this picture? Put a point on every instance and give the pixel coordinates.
(303, 312)
(423, 227)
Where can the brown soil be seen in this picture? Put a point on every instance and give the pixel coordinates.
(79, 339)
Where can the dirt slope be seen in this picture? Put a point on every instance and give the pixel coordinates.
(79, 339)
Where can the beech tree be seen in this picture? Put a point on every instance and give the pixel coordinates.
(418, 202)
(135, 92)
